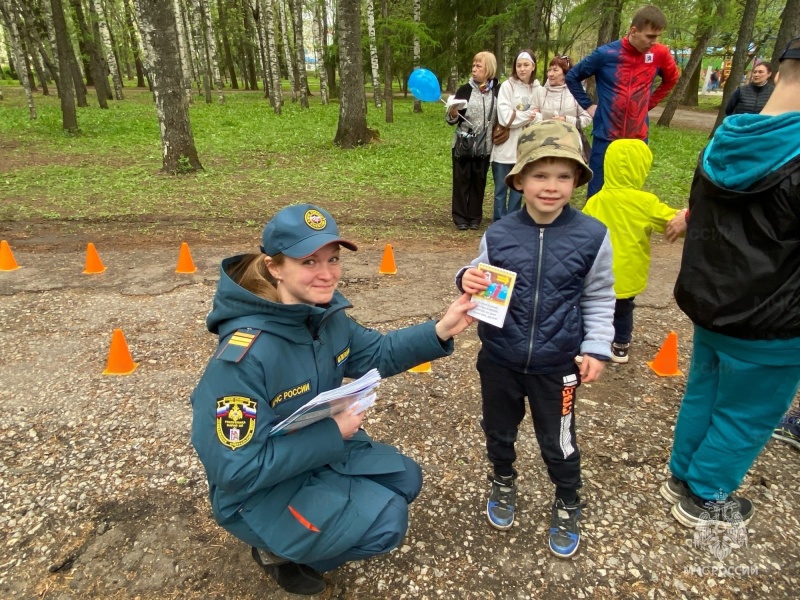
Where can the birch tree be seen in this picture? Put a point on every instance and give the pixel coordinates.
(113, 67)
(211, 45)
(287, 52)
(183, 54)
(69, 115)
(373, 54)
(320, 40)
(226, 43)
(261, 35)
(387, 62)
(276, 93)
(10, 16)
(130, 30)
(300, 53)
(157, 24)
(95, 62)
(352, 130)
(415, 63)
(200, 46)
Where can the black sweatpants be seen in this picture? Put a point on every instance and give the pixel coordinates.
(469, 186)
(552, 401)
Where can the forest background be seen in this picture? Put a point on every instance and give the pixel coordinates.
(90, 71)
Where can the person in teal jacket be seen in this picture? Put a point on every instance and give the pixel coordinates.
(631, 215)
(311, 500)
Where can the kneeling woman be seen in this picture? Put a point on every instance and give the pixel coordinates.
(326, 494)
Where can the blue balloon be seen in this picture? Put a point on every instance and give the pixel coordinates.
(424, 86)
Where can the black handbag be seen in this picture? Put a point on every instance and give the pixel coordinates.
(470, 144)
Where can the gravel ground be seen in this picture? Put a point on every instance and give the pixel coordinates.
(102, 495)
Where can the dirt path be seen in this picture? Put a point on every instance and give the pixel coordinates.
(690, 119)
(103, 496)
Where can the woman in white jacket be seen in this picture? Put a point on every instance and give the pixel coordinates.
(554, 101)
(515, 109)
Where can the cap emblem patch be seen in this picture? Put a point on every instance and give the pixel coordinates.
(315, 220)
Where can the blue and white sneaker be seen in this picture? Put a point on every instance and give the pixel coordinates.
(565, 533)
(502, 502)
(788, 430)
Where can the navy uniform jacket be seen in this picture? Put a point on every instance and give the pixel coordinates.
(300, 492)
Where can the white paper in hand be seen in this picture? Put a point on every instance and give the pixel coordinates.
(458, 103)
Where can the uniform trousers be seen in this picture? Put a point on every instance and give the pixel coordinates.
(551, 398)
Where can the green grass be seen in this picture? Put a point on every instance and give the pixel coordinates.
(254, 162)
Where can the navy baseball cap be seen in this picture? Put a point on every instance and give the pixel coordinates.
(300, 230)
(792, 50)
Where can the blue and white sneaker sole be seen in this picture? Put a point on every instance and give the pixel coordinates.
(779, 435)
(497, 526)
(561, 553)
(693, 522)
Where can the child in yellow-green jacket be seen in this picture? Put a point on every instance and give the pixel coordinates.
(631, 216)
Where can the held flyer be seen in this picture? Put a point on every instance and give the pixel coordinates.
(494, 300)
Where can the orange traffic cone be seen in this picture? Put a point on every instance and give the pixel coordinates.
(185, 263)
(93, 263)
(119, 357)
(7, 262)
(423, 368)
(388, 266)
(665, 364)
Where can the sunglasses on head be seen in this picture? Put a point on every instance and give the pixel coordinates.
(566, 58)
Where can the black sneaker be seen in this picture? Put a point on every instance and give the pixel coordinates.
(292, 577)
(674, 490)
(565, 532)
(788, 430)
(619, 353)
(734, 511)
(501, 505)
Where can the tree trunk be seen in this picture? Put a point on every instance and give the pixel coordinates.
(415, 63)
(113, 67)
(276, 93)
(320, 39)
(789, 29)
(69, 115)
(452, 83)
(373, 55)
(77, 76)
(330, 62)
(95, 62)
(287, 50)
(157, 24)
(200, 46)
(300, 52)
(739, 59)
(387, 63)
(183, 54)
(262, 46)
(352, 130)
(536, 25)
(97, 41)
(134, 43)
(690, 94)
(10, 17)
(211, 45)
(186, 23)
(247, 43)
(226, 43)
(705, 31)
(45, 70)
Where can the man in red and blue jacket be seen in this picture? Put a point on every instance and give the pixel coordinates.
(624, 71)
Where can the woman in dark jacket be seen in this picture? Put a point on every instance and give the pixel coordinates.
(326, 493)
(477, 117)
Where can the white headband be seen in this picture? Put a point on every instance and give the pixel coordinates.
(525, 55)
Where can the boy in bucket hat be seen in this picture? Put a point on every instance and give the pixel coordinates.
(562, 305)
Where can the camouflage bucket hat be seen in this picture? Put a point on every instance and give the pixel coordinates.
(555, 139)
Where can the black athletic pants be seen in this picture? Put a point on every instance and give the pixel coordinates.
(469, 186)
(552, 401)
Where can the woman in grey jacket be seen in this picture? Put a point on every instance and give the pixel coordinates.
(469, 173)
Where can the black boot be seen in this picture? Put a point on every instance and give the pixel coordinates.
(292, 577)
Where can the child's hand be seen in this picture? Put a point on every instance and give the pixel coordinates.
(676, 227)
(591, 369)
(473, 281)
(456, 319)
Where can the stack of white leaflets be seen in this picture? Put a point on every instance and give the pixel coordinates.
(359, 394)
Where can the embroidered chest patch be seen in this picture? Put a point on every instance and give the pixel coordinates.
(236, 420)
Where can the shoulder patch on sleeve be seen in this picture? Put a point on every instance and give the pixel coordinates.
(236, 420)
(238, 345)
